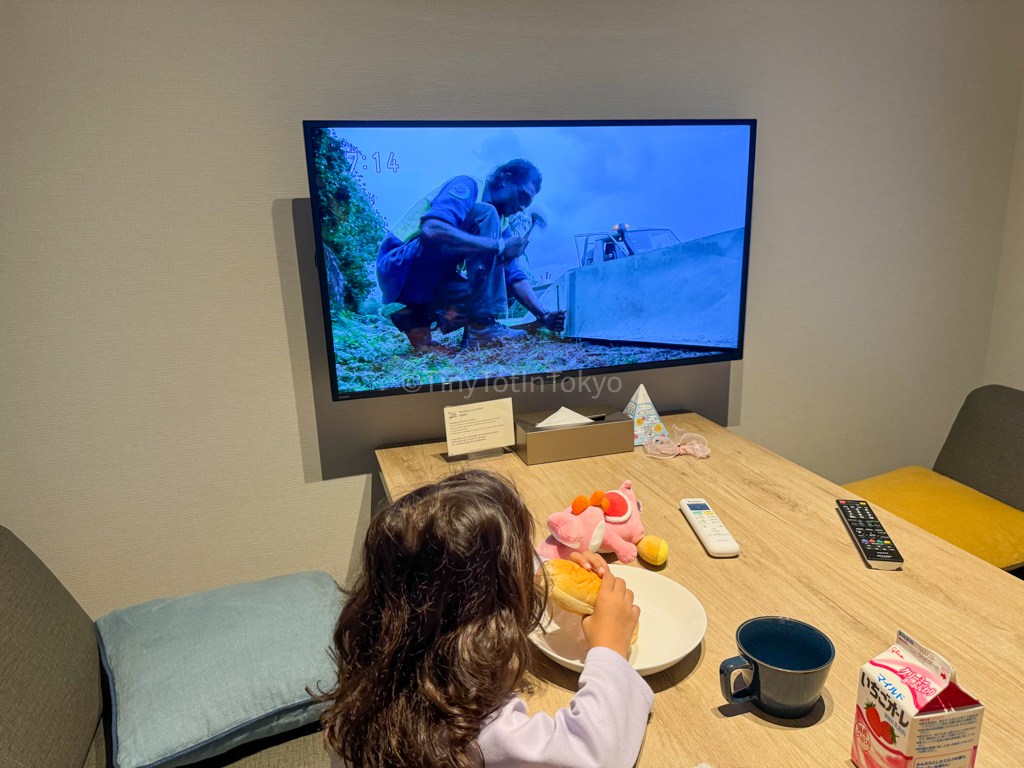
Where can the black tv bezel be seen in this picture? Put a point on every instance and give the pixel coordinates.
(308, 126)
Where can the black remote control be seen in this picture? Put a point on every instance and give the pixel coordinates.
(875, 545)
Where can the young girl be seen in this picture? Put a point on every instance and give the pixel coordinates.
(432, 644)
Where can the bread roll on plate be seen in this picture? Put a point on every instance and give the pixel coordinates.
(574, 589)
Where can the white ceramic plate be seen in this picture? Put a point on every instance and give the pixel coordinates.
(672, 623)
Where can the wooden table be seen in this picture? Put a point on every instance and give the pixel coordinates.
(797, 560)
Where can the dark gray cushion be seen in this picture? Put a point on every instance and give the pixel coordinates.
(301, 748)
(50, 697)
(985, 447)
(306, 751)
(97, 757)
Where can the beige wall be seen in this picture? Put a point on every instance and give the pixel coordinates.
(1005, 363)
(156, 405)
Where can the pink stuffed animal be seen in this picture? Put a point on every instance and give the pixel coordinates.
(606, 522)
(623, 529)
(571, 532)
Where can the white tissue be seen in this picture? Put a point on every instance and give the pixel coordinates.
(563, 417)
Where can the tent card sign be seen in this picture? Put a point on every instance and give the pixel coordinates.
(479, 427)
(646, 421)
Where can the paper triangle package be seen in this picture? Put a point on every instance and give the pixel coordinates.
(912, 712)
(646, 421)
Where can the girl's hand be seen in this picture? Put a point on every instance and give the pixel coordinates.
(614, 618)
(591, 561)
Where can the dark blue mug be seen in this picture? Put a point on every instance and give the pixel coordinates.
(790, 661)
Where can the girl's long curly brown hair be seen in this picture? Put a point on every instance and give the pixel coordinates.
(433, 637)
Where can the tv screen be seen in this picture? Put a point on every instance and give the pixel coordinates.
(471, 252)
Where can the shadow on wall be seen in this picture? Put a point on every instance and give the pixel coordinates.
(290, 238)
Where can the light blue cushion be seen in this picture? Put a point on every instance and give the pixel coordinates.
(192, 677)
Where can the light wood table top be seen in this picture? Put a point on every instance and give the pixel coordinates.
(796, 560)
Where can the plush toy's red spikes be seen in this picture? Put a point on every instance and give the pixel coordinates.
(617, 505)
(579, 504)
(596, 498)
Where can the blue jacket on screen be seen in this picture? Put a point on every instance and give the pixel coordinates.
(451, 203)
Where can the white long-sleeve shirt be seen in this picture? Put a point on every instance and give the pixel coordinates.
(603, 726)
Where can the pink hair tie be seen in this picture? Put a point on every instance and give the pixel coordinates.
(688, 444)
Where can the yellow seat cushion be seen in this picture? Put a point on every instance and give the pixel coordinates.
(952, 511)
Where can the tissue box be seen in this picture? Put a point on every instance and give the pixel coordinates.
(611, 431)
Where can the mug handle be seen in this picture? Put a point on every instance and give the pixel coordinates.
(725, 670)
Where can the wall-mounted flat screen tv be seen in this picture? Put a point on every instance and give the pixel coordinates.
(470, 252)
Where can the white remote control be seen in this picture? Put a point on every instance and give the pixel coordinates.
(709, 529)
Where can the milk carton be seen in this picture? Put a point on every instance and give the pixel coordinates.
(912, 714)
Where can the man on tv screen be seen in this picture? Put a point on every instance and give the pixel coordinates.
(480, 224)
(437, 265)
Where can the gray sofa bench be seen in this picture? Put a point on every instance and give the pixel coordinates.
(52, 688)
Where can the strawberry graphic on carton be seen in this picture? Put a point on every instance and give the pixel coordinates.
(882, 729)
(911, 713)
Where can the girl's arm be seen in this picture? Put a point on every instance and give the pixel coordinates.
(603, 726)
